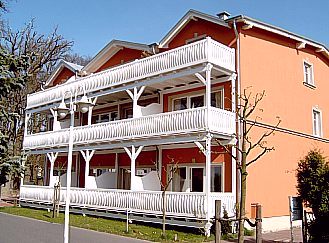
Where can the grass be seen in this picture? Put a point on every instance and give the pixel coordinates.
(140, 231)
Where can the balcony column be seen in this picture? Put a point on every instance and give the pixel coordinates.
(133, 155)
(208, 92)
(56, 123)
(135, 96)
(206, 150)
(87, 155)
(27, 118)
(116, 167)
(52, 157)
(90, 109)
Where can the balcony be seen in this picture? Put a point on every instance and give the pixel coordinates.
(177, 123)
(187, 56)
(179, 204)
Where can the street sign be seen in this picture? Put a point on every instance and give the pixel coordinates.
(296, 208)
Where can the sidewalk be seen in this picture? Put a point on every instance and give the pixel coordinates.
(280, 236)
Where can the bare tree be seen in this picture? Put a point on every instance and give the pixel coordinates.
(77, 59)
(42, 53)
(250, 149)
(165, 186)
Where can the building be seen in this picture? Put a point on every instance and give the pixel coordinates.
(170, 105)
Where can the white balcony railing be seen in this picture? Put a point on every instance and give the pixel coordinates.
(202, 51)
(169, 123)
(185, 204)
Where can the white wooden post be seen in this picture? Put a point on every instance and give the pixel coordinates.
(87, 155)
(133, 154)
(56, 123)
(206, 150)
(52, 157)
(27, 118)
(160, 162)
(116, 167)
(90, 110)
(135, 96)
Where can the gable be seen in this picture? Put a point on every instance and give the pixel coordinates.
(199, 27)
(122, 56)
(63, 75)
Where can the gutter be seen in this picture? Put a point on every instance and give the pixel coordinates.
(238, 92)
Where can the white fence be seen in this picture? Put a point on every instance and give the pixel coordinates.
(180, 204)
(162, 124)
(202, 51)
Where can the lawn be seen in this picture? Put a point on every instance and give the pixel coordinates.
(140, 231)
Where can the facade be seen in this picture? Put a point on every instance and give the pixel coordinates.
(161, 111)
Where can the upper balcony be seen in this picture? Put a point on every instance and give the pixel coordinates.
(148, 130)
(184, 57)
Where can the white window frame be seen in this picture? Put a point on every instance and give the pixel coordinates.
(188, 97)
(317, 133)
(189, 166)
(308, 81)
(222, 168)
(98, 116)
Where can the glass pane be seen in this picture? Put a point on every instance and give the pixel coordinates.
(114, 116)
(103, 118)
(197, 101)
(216, 179)
(179, 179)
(217, 99)
(197, 179)
(180, 104)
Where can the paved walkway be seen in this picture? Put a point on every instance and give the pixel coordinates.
(15, 229)
(280, 236)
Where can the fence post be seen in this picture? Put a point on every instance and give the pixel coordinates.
(218, 206)
(259, 235)
(304, 227)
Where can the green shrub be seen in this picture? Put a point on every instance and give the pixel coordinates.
(313, 188)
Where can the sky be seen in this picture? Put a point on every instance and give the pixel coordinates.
(92, 24)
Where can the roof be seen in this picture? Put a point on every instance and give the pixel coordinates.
(62, 63)
(277, 30)
(193, 14)
(111, 49)
(190, 15)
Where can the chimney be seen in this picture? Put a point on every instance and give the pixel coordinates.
(223, 15)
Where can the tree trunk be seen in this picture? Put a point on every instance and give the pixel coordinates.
(164, 213)
(244, 174)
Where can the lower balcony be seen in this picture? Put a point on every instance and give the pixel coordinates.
(184, 207)
(170, 124)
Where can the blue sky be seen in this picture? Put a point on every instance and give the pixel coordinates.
(92, 24)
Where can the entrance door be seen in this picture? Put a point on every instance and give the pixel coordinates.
(197, 179)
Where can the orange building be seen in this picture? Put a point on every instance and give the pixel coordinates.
(143, 116)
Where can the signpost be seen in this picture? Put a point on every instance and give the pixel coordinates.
(295, 212)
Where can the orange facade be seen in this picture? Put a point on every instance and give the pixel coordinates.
(272, 63)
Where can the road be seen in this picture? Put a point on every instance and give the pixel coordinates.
(16, 229)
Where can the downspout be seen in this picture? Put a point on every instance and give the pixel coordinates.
(238, 89)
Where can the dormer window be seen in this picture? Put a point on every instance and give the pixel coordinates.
(308, 74)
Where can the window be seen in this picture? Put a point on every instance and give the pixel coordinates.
(216, 178)
(217, 100)
(317, 123)
(196, 179)
(180, 104)
(308, 74)
(179, 179)
(105, 117)
(197, 101)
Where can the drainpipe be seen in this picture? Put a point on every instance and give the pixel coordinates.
(238, 88)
